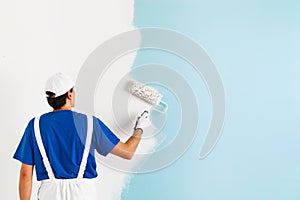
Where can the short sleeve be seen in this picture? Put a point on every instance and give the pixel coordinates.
(104, 139)
(24, 152)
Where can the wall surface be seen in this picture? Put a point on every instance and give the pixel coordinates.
(255, 46)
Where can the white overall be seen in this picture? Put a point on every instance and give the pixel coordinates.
(66, 189)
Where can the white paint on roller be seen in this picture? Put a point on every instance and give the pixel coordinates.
(145, 92)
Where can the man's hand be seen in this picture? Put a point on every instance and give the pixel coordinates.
(142, 121)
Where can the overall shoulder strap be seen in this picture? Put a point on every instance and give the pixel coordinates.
(41, 147)
(88, 141)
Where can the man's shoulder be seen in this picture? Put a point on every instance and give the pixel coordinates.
(75, 114)
(80, 114)
(31, 123)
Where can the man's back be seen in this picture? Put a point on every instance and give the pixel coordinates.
(63, 134)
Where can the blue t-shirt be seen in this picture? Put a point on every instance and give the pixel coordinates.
(63, 134)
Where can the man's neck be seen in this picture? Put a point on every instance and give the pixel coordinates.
(65, 107)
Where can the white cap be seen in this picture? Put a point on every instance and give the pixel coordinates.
(59, 84)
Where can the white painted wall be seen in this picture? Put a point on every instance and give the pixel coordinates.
(37, 39)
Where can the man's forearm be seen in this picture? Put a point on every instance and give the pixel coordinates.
(25, 187)
(133, 142)
(25, 182)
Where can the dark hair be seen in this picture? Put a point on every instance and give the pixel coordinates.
(58, 102)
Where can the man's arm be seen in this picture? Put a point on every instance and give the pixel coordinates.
(25, 183)
(127, 149)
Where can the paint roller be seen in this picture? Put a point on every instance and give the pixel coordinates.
(149, 95)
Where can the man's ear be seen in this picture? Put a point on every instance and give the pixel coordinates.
(70, 95)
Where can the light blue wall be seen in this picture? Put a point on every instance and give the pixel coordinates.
(256, 48)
